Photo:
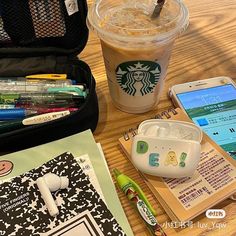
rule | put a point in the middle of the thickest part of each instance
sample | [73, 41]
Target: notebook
[185, 198]
[78, 144]
[81, 209]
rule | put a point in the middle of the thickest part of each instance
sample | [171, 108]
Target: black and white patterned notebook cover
[23, 211]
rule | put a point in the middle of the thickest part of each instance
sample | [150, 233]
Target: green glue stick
[139, 201]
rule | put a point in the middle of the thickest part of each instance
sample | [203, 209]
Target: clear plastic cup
[136, 48]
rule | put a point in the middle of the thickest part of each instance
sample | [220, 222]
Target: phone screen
[214, 110]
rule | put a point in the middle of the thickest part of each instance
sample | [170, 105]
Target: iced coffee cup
[136, 48]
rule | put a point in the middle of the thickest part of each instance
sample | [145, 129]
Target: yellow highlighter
[47, 76]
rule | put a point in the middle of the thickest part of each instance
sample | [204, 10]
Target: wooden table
[207, 49]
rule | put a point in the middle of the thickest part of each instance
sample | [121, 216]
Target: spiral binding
[167, 114]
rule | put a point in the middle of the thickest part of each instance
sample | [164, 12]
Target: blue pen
[16, 113]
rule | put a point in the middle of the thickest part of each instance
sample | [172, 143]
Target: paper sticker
[213, 174]
[71, 6]
[171, 159]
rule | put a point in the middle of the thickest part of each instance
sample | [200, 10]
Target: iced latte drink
[136, 48]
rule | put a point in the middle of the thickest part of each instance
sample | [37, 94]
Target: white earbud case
[167, 148]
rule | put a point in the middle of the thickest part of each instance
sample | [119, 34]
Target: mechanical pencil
[140, 202]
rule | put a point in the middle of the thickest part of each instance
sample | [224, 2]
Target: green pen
[138, 199]
[77, 90]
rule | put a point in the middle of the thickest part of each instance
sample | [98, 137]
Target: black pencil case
[45, 37]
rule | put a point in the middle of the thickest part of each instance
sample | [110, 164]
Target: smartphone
[211, 104]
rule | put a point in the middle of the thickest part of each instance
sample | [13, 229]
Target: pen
[140, 202]
[19, 113]
[50, 99]
[37, 106]
[77, 90]
[42, 110]
[34, 86]
[45, 117]
[15, 113]
[39, 98]
[39, 119]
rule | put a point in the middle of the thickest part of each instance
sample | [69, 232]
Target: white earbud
[152, 130]
[49, 183]
[174, 133]
[163, 132]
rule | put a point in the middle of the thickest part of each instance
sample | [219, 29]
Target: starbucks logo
[138, 78]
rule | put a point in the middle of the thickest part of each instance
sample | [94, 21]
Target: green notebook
[82, 143]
